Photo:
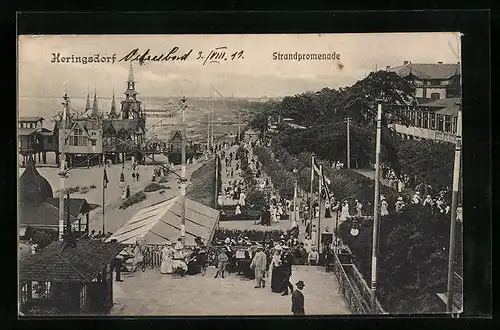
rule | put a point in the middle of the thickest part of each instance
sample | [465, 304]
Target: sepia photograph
[239, 175]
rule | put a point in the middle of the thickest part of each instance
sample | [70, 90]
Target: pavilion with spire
[39, 209]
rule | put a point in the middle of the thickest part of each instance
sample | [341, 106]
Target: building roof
[33, 187]
[176, 135]
[26, 131]
[30, 119]
[41, 215]
[69, 264]
[46, 214]
[442, 103]
[160, 223]
[427, 70]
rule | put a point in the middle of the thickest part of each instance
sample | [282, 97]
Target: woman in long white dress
[274, 217]
[138, 258]
[345, 212]
[166, 259]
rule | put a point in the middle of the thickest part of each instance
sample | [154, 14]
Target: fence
[353, 287]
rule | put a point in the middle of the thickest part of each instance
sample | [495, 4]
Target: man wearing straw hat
[259, 263]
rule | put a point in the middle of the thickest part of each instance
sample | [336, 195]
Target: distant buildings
[88, 135]
[34, 139]
[438, 92]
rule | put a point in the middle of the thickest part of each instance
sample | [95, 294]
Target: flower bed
[154, 187]
[134, 199]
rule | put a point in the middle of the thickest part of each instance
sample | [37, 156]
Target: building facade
[438, 93]
[93, 138]
[432, 81]
[35, 140]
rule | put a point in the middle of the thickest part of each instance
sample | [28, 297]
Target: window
[93, 141]
[425, 121]
[419, 119]
[49, 139]
[454, 124]
[429, 82]
[77, 138]
[440, 123]
[435, 96]
[447, 124]
[433, 120]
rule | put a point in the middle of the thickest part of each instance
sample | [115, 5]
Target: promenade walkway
[154, 294]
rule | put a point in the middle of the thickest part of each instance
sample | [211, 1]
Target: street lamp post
[293, 218]
[183, 173]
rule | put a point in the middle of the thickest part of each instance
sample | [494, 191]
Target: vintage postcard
[278, 174]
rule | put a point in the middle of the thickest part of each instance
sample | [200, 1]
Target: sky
[255, 74]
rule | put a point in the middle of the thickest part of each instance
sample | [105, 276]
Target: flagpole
[318, 231]
[376, 209]
[348, 143]
[62, 161]
[104, 196]
[454, 202]
[311, 211]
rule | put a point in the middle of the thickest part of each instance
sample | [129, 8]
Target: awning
[160, 223]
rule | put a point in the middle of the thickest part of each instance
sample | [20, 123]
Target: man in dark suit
[286, 264]
[298, 299]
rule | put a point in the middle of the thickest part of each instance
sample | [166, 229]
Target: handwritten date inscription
[215, 55]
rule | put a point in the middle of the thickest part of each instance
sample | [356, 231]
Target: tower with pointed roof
[112, 113]
[87, 105]
[131, 107]
[95, 106]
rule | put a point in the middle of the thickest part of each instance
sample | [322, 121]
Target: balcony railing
[425, 133]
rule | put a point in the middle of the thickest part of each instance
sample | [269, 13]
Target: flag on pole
[317, 170]
[105, 180]
[326, 182]
[316, 167]
[392, 153]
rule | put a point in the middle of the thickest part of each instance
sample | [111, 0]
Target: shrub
[154, 187]
[134, 199]
[413, 257]
[163, 179]
[202, 186]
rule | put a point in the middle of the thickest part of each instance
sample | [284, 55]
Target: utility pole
[348, 143]
[216, 181]
[62, 161]
[293, 218]
[208, 133]
[183, 172]
[454, 204]
[239, 127]
[376, 210]
[104, 183]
